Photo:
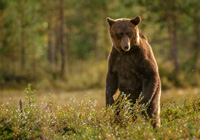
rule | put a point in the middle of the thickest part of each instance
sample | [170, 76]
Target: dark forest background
[64, 44]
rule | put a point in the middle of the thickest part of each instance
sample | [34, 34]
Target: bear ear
[136, 20]
[110, 21]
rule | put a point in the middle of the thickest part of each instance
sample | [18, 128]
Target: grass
[84, 117]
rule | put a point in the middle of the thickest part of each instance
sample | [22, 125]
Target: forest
[57, 51]
[60, 44]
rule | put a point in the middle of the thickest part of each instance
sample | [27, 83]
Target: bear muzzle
[125, 44]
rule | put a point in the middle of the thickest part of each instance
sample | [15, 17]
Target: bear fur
[132, 67]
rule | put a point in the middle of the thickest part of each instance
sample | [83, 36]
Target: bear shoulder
[142, 36]
[113, 55]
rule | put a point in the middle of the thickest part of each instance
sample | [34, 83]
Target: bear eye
[120, 35]
[129, 34]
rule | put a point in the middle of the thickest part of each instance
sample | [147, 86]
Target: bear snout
[126, 47]
[125, 44]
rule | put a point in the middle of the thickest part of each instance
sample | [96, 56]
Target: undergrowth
[83, 120]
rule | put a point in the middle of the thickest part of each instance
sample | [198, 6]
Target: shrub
[83, 120]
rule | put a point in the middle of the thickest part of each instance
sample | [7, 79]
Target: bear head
[124, 33]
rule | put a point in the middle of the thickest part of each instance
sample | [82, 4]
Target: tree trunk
[196, 29]
[106, 32]
[22, 36]
[97, 49]
[56, 50]
[50, 42]
[171, 25]
[2, 36]
[62, 36]
[174, 51]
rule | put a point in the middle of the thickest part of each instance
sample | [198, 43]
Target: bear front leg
[111, 87]
[154, 109]
[150, 85]
[151, 96]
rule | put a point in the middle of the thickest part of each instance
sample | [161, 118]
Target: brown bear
[132, 67]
